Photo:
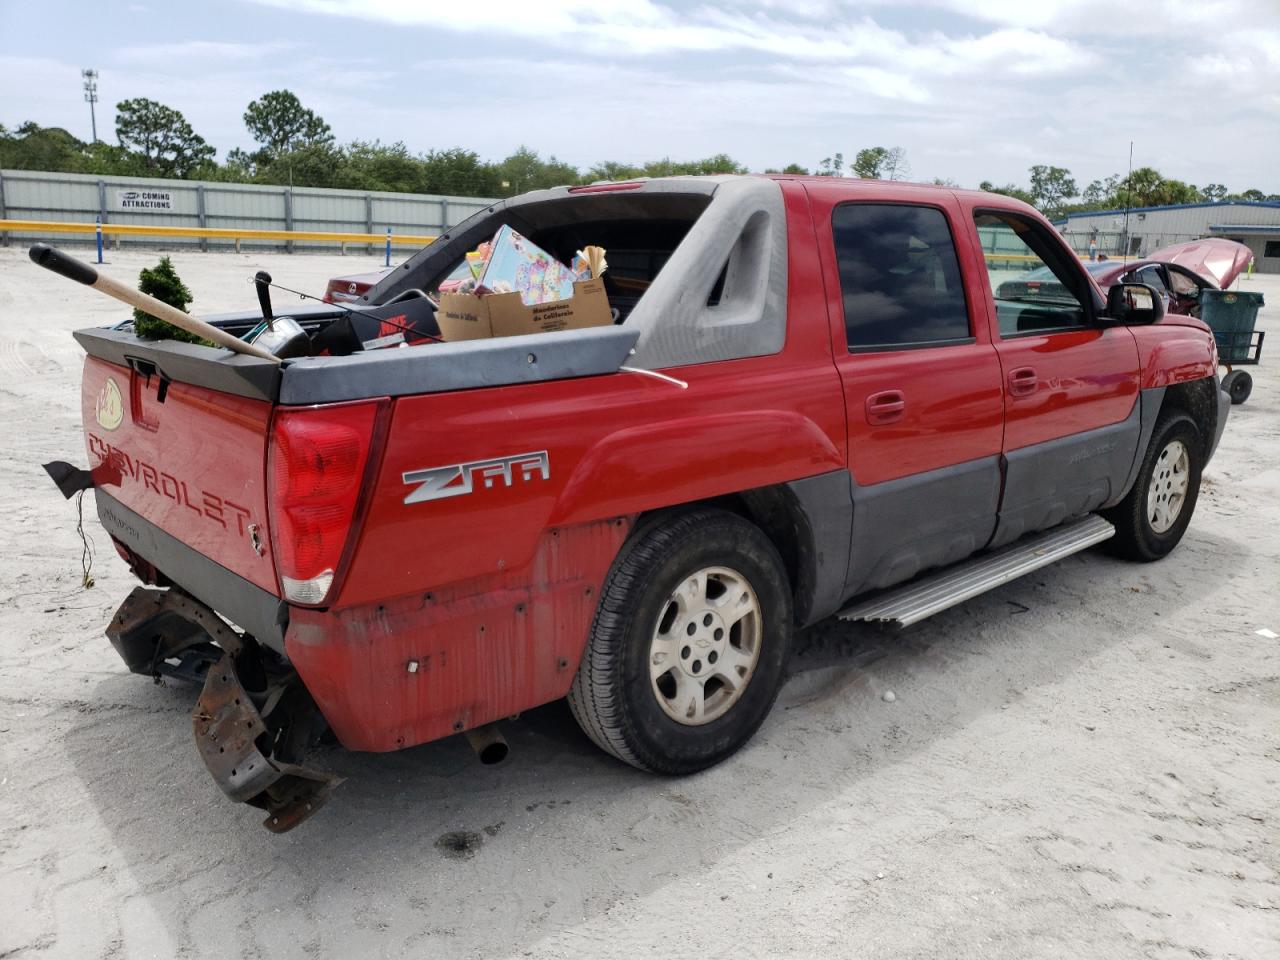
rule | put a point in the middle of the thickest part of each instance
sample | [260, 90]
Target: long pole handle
[53, 259]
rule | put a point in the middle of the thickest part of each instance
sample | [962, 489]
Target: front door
[1070, 383]
[922, 385]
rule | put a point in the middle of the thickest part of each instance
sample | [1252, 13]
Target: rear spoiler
[391, 372]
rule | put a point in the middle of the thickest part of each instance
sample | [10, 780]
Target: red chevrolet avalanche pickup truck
[812, 403]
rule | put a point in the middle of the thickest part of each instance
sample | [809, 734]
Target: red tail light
[316, 472]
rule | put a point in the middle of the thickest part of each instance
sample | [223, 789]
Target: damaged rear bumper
[231, 735]
[254, 720]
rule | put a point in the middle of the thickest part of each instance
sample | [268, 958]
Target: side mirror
[1134, 304]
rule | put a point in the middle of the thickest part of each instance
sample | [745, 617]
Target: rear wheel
[687, 651]
[1154, 515]
[1238, 384]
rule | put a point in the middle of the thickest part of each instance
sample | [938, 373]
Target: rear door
[1070, 383]
[922, 387]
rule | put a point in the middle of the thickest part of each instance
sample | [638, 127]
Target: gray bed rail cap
[392, 372]
[463, 365]
[193, 363]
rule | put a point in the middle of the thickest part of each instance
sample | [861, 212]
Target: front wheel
[1154, 515]
[689, 643]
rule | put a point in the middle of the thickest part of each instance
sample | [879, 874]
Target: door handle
[886, 407]
[1023, 382]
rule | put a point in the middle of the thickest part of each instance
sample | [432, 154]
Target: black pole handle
[51, 258]
[262, 280]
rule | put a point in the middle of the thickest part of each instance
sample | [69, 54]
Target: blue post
[99, 231]
[388, 263]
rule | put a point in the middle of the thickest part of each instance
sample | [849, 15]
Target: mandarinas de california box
[467, 316]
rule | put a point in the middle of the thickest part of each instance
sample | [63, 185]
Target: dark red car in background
[351, 289]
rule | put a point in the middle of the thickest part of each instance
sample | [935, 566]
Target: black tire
[1136, 538]
[1239, 384]
[613, 696]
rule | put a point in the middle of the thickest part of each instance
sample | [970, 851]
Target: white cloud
[973, 89]
[188, 52]
[808, 32]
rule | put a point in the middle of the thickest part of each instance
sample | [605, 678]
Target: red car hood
[1218, 260]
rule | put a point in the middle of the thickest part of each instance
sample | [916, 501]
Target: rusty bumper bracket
[232, 737]
[166, 632]
[246, 737]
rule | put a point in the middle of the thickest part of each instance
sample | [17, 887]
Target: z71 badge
[437, 483]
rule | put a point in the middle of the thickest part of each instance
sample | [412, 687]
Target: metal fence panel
[36, 195]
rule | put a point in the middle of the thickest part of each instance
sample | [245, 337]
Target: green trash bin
[1231, 315]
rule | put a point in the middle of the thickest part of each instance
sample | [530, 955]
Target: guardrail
[102, 230]
[1011, 257]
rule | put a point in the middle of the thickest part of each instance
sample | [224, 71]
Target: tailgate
[186, 458]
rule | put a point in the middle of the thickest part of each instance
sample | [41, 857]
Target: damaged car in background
[1178, 273]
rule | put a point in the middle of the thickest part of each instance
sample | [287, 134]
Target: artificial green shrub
[163, 283]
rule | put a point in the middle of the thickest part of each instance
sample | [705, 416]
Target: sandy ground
[1083, 764]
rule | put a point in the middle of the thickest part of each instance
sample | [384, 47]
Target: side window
[1035, 289]
[1151, 277]
[899, 276]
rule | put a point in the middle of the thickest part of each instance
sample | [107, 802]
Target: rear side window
[899, 276]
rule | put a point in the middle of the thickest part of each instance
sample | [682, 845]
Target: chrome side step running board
[913, 601]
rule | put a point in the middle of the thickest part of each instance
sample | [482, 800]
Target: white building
[1255, 223]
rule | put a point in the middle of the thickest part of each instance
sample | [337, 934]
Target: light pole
[91, 97]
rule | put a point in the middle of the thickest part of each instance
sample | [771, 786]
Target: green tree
[1213, 192]
[869, 162]
[239, 167]
[162, 137]
[666, 167]
[613, 170]
[280, 123]
[33, 147]
[310, 165]
[832, 166]
[1008, 190]
[525, 170]
[1051, 188]
[163, 283]
[374, 165]
[460, 173]
[1147, 187]
[1100, 194]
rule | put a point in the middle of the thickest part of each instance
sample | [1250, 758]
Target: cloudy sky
[973, 89]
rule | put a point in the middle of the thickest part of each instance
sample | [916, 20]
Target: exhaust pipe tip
[488, 743]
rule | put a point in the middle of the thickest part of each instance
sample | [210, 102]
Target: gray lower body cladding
[931, 519]
[1048, 482]
[1220, 425]
[243, 603]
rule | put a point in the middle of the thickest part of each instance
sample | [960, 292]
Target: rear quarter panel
[464, 609]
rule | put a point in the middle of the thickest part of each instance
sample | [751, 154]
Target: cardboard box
[466, 316]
